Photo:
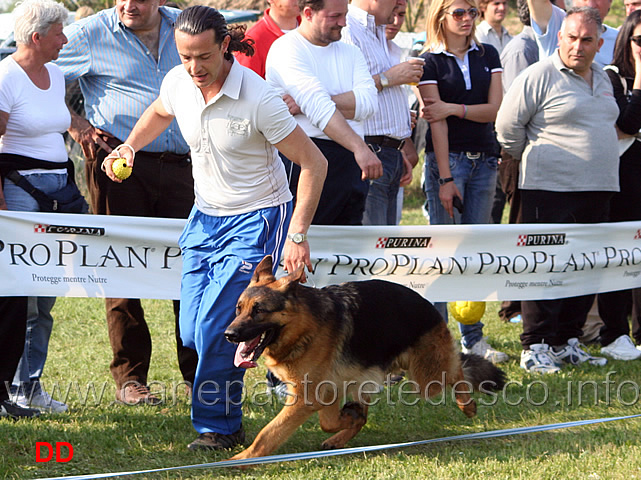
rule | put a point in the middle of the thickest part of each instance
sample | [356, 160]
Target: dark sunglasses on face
[459, 13]
[637, 40]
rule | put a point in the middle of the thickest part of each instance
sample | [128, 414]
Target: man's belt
[113, 142]
[385, 141]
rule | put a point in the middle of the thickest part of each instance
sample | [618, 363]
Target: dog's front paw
[329, 445]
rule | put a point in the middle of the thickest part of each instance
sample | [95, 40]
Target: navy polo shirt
[466, 82]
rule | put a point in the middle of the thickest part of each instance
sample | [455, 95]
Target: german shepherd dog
[326, 343]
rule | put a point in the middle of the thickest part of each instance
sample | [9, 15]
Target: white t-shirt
[37, 118]
[312, 74]
[236, 168]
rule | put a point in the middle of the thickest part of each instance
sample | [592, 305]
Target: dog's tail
[482, 374]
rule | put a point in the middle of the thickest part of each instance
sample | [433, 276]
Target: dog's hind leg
[347, 421]
[278, 430]
[434, 364]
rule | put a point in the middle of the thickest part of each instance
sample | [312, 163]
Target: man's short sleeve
[549, 40]
[169, 85]
[273, 118]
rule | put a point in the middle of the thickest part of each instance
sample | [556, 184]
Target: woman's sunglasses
[637, 40]
[459, 13]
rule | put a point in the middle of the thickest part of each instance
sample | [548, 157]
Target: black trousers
[342, 200]
[161, 185]
[13, 326]
[614, 307]
[555, 321]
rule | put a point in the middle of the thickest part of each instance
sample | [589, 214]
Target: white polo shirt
[236, 168]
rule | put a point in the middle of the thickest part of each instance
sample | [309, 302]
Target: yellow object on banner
[467, 313]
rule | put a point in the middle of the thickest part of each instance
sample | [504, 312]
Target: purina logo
[541, 239]
[638, 235]
[68, 229]
[403, 242]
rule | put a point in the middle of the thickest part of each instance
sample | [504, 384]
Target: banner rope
[289, 457]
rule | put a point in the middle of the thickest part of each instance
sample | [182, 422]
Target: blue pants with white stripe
[219, 257]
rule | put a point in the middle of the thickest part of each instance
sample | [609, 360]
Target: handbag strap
[22, 182]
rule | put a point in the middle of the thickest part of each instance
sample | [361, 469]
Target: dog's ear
[263, 273]
[292, 279]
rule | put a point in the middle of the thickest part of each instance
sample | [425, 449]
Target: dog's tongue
[243, 351]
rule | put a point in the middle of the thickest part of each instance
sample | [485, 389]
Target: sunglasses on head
[459, 13]
[637, 40]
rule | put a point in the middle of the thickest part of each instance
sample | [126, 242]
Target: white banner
[133, 257]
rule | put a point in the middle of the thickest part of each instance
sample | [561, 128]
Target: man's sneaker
[483, 349]
[538, 360]
[621, 349]
[279, 390]
[12, 410]
[574, 354]
[218, 441]
[134, 393]
[41, 400]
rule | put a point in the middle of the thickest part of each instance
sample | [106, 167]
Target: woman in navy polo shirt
[461, 89]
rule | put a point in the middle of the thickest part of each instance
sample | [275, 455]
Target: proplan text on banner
[112, 256]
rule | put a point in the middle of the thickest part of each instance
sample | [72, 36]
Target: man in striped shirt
[388, 130]
[120, 56]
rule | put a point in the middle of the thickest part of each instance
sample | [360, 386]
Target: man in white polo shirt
[233, 122]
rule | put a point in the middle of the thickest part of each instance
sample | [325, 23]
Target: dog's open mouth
[248, 352]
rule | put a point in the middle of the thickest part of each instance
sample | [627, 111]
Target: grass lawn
[108, 438]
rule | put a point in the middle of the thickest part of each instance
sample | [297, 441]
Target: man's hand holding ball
[119, 163]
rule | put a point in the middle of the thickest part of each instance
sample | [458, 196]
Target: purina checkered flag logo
[638, 235]
[521, 241]
[40, 228]
[403, 242]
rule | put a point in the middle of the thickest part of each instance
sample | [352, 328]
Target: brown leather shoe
[133, 393]
[218, 441]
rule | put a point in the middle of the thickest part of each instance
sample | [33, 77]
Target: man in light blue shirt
[547, 18]
[120, 57]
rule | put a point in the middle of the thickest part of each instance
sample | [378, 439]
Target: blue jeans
[476, 180]
[39, 319]
[380, 206]
[32, 362]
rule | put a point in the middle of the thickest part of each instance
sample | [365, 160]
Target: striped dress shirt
[393, 115]
[118, 75]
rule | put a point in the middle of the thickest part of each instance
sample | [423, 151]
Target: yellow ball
[120, 168]
[468, 313]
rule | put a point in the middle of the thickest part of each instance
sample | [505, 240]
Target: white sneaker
[621, 349]
[41, 400]
[538, 359]
[483, 349]
[574, 354]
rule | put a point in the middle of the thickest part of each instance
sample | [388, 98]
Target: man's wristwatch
[384, 80]
[297, 237]
[443, 181]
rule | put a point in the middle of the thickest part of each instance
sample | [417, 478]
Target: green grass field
[108, 437]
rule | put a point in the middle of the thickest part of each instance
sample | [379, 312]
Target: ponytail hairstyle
[198, 19]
